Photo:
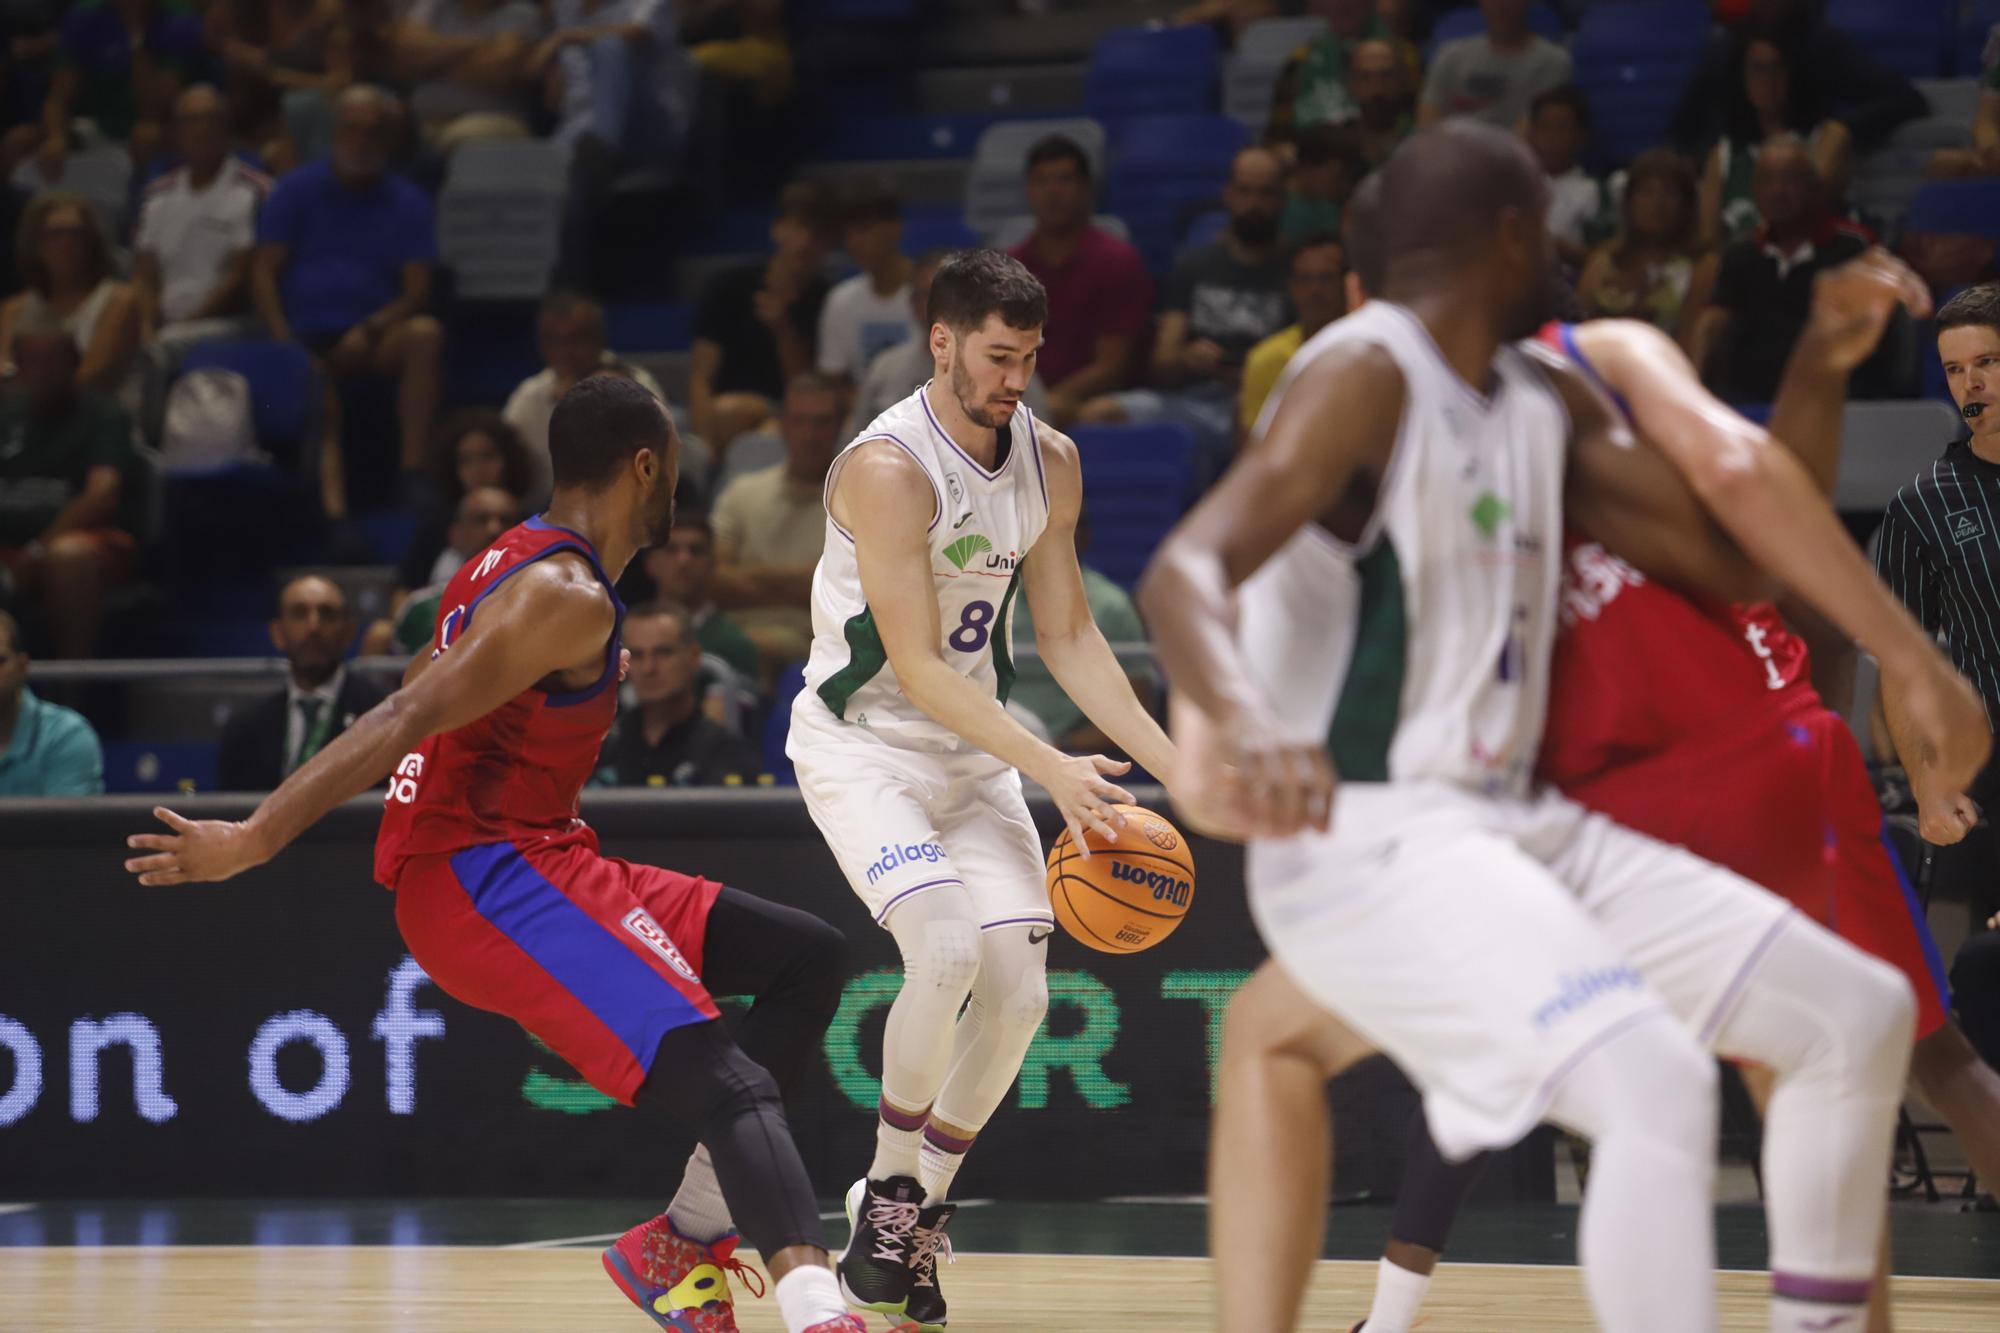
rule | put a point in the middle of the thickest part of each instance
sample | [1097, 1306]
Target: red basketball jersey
[1641, 669]
[513, 775]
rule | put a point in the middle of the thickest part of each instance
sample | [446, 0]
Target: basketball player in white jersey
[1519, 958]
[948, 507]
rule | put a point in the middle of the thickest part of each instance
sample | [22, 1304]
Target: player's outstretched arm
[1766, 500]
[528, 630]
[1071, 644]
[1328, 442]
[884, 498]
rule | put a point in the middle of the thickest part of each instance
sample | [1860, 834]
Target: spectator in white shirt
[570, 329]
[1558, 126]
[869, 312]
[197, 228]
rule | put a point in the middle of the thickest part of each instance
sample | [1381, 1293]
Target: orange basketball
[1130, 894]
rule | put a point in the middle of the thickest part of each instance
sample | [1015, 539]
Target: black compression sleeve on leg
[705, 1082]
[790, 962]
[1432, 1193]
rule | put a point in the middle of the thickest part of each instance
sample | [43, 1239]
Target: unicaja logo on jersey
[909, 853]
[963, 551]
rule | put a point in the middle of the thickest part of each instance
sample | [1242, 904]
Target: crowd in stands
[285, 159]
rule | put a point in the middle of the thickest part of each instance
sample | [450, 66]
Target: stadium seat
[995, 189]
[1203, 229]
[1907, 36]
[1633, 61]
[101, 175]
[1252, 70]
[1884, 445]
[161, 766]
[899, 137]
[1137, 482]
[500, 217]
[1163, 166]
[936, 229]
[1955, 100]
[1152, 72]
[778, 725]
[649, 328]
[1466, 21]
[284, 392]
[1887, 177]
[1957, 208]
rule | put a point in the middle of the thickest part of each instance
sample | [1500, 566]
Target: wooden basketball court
[435, 1289]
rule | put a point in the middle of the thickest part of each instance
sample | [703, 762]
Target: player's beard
[659, 515]
[981, 413]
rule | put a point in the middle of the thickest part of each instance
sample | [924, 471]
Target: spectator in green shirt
[1035, 690]
[65, 456]
[45, 749]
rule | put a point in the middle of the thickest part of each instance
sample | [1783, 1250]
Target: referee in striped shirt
[1940, 552]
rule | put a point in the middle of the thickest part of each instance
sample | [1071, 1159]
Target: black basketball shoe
[926, 1307]
[875, 1268]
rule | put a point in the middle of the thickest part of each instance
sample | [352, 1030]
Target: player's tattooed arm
[1325, 451]
[526, 632]
[1072, 646]
[883, 497]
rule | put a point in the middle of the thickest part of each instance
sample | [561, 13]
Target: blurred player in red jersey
[504, 898]
[1687, 717]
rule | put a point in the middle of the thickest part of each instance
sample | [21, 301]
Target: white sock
[937, 1163]
[1399, 1294]
[698, 1211]
[1790, 1316]
[895, 1149]
[808, 1295]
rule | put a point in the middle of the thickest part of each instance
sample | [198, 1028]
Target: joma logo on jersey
[1165, 888]
[1964, 526]
[908, 854]
[654, 937]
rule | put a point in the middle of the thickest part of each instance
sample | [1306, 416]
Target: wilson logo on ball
[1165, 888]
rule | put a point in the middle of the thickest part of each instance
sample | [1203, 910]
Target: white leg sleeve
[941, 959]
[1008, 1003]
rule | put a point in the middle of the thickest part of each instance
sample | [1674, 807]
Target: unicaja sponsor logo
[1580, 988]
[909, 853]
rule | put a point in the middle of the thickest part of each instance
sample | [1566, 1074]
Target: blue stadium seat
[1153, 71]
[1466, 21]
[1633, 61]
[649, 328]
[1161, 167]
[159, 766]
[388, 533]
[1204, 229]
[1907, 36]
[877, 137]
[779, 725]
[1957, 208]
[936, 229]
[1137, 482]
[284, 389]
[241, 635]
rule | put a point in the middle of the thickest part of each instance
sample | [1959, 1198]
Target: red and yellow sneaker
[683, 1284]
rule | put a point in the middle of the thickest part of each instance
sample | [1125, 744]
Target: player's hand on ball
[1082, 789]
[198, 851]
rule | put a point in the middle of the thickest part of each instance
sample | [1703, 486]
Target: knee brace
[943, 958]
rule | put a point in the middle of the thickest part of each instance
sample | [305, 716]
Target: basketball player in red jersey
[504, 899]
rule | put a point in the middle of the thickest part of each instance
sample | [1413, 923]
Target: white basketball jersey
[1422, 652]
[984, 524]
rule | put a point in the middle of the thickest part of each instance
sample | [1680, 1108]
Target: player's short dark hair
[1567, 95]
[1059, 148]
[1320, 144]
[599, 425]
[868, 201]
[1975, 307]
[972, 284]
[10, 630]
